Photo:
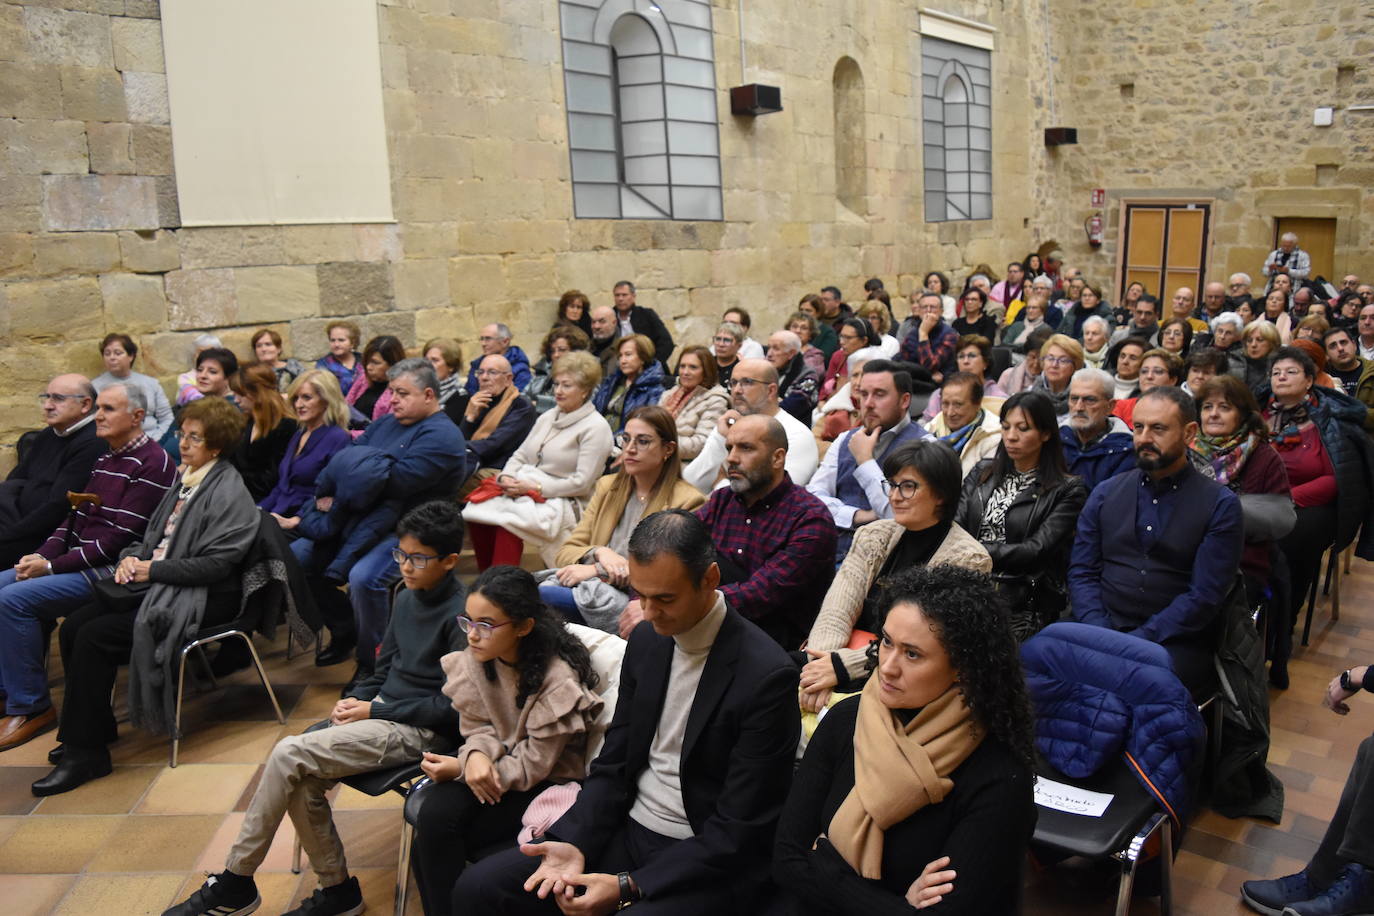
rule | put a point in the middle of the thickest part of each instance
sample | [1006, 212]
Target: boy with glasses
[390, 718]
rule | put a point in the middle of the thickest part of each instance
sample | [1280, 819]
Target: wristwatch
[629, 895]
[1345, 681]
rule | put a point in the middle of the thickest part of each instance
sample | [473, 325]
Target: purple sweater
[130, 483]
[296, 480]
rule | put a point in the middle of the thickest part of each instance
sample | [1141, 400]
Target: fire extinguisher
[1093, 226]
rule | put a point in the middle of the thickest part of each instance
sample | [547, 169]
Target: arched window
[957, 125]
[640, 87]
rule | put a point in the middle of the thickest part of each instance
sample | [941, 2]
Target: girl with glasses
[524, 690]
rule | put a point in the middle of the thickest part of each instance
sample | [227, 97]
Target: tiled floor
[142, 838]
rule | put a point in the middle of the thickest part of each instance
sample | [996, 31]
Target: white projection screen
[276, 111]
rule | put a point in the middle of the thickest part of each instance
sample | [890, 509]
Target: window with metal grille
[956, 103]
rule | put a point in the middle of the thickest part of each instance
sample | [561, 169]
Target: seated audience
[321, 430]
[637, 381]
[753, 390]
[1012, 289]
[725, 344]
[965, 423]
[1121, 315]
[1060, 357]
[804, 326]
[604, 336]
[1123, 361]
[833, 309]
[1097, 444]
[1233, 442]
[775, 540]
[749, 348]
[1339, 877]
[1023, 375]
[561, 340]
[798, 385]
[632, 318]
[840, 414]
[1176, 336]
[126, 483]
[1261, 342]
[1351, 373]
[575, 310]
[591, 583]
[1276, 315]
[267, 349]
[343, 358]
[392, 718]
[422, 452]
[119, 352]
[877, 316]
[669, 818]
[696, 401]
[974, 358]
[1157, 367]
[1096, 332]
[494, 340]
[1144, 322]
[370, 396]
[849, 480]
[937, 283]
[1202, 365]
[922, 480]
[446, 356]
[186, 382]
[975, 320]
[524, 691]
[932, 343]
[269, 429]
[1089, 304]
[539, 495]
[1022, 505]
[853, 336]
[1313, 327]
[185, 569]
[1317, 353]
[1227, 329]
[824, 338]
[497, 419]
[58, 460]
[863, 830]
[1156, 551]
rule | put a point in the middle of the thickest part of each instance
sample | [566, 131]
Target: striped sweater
[130, 483]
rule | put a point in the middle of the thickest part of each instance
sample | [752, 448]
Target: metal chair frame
[181, 678]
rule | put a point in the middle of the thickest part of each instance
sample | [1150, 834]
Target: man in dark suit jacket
[636, 319]
[677, 815]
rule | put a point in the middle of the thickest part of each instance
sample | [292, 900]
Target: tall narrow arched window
[957, 126]
[851, 150]
[641, 95]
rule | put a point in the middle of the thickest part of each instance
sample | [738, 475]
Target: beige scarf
[495, 414]
[898, 770]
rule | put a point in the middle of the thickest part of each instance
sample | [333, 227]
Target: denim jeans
[561, 599]
[25, 605]
[369, 589]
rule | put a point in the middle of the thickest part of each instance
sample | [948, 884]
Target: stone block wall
[1215, 100]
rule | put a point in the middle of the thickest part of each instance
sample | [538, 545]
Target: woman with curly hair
[928, 769]
[524, 692]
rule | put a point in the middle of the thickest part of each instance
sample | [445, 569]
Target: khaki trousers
[300, 771]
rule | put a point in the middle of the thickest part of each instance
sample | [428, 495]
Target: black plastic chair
[1121, 833]
[1333, 559]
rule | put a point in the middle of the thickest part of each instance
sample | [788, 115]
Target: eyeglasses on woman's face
[623, 441]
[479, 628]
[904, 488]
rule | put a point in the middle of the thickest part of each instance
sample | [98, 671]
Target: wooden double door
[1165, 246]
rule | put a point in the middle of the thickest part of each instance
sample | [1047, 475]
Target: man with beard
[1158, 548]
[753, 390]
[775, 541]
[1097, 445]
[604, 336]
[1351, 372]
[850, 480]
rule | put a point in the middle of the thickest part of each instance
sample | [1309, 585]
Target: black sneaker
[224, 894]
[344, 899]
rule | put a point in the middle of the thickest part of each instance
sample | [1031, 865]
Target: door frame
[1125, 204]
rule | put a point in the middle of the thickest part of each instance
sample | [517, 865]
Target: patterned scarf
[1285, 422]
[678, 397]
[1226, 455]
[958, 440]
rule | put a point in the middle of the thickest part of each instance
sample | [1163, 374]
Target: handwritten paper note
[1061, 797]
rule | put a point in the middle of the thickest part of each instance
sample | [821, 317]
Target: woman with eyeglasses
[696, 401]
[1318, 432]
[1022, 505]
[561, 340]
[855, 334]
[543, 487]
[1060, 358]
[1157, 367]
[975, 321]
[1261, 341]
[592, 581]
[525, 694]
[1176, 336]
[922, 481]
[804, 325]
[725, 344]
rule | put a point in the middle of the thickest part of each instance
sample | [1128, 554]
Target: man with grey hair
[636, 319]
[798, 385]
[495, 422]
[428, 456]
[57, 459]
[1287, 260]
[1238, 285]
[604, 335]
[1097, 444]
[495, 341]
[753, 390]
[1213, 301]
[125, 485]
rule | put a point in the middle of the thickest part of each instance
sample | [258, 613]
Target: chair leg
[1166, 868]
[262, 674]
[403, 867]
[1123, 891]
[1333, 557]
[1311, 605]
[1333, 581]
[181, 689]
[296, 856]
[1349, 555]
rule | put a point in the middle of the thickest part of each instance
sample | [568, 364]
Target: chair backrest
[607, 653]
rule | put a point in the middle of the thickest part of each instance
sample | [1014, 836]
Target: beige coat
[608, 504]
[985, 439]
[697, 418]
[845, 599]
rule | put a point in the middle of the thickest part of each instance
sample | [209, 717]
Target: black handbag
[114, 598]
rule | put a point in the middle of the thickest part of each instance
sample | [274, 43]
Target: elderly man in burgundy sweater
[125, 486]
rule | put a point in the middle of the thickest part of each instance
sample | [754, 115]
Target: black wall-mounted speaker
[1061, 136]
[755, 99]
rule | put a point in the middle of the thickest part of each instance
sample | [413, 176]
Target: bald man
[1213, 301]
[754, 390]
[605, 332]
[775, 541]
[59, 458]
[798, 385]
[496, 421]
[1181, 306]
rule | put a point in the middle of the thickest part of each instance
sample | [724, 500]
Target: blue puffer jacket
[360, 516]
[1098, 693]
[644, 392]
[1105, 458]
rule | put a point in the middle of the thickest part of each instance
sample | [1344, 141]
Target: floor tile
[15, 794]
[127, 895]
[117, 793]
[151, 843]
[278, 858]
[56, 845]
[197, 788]
[34, 895]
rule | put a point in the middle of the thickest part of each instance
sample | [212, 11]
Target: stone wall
[90, 239]
[1215, 100]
